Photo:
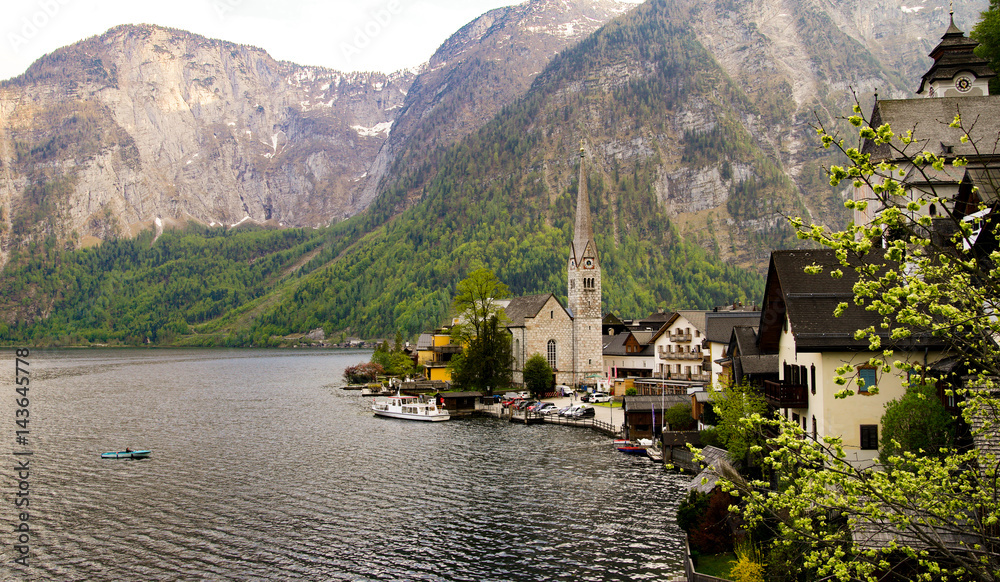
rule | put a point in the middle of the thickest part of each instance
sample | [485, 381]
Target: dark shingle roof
[528, 306]
[809, 302]
[614, 345]
[719, 326]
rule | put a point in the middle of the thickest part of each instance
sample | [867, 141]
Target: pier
[525, 417]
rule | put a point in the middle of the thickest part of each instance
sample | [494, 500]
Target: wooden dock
[525, 417]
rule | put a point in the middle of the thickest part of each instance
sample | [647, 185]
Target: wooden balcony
[680, 337]
[786, 395]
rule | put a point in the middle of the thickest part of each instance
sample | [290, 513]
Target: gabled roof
[520, 308]
[719, 325]
[928, 118]
[808, 302]
[614, 345]
[695, 316]
[425, 341]
[744, 348]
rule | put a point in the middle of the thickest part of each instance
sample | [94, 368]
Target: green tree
[475, 303]
[917, 422]
[484, 363]
[679, 417]
[537, 375]
[733, 404]
[987, 32]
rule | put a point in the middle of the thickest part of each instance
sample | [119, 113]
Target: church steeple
[584, 274]
[583, 247]
[957, 71]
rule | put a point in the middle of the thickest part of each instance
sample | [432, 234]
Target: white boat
[409, 407]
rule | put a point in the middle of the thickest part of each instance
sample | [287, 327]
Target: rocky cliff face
[486, 65]
[144, 122]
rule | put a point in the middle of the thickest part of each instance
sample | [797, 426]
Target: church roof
[929, 119]
[520, 308]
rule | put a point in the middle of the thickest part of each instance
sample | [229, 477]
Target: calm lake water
[263, 468]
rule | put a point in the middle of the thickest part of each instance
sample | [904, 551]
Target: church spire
[583, 235]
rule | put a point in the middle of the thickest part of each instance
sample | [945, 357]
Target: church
[568, 337]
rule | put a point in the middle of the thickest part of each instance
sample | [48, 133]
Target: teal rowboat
[126, 455]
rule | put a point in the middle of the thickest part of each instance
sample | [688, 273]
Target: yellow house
[434, 351]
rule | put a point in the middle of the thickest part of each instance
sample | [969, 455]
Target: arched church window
[551, 353]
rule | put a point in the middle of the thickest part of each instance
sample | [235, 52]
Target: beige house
[797, 325]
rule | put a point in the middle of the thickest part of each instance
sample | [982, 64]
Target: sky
[347, 35]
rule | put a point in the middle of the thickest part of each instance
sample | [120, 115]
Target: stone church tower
[585, 289]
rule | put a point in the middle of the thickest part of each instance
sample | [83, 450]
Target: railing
[680, 337]
[785, 395]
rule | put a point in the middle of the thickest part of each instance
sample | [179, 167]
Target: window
[866, 375]
[812, 378]
[814, 427]
[869, 437]
[551, 354]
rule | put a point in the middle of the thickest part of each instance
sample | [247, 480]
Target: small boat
[127, 455]
[409, 407]
[636, 447]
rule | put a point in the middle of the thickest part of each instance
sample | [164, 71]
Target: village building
[678, 345]
[957, 83]
[797, 325]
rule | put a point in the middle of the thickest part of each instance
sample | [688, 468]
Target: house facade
[678, 345]
[798, 327]
[539, 324]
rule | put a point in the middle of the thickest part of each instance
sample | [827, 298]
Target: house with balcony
[629, 354]
[679, 349]
[798, 328]
[434, 351]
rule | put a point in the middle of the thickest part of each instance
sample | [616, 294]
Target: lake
[263, 468]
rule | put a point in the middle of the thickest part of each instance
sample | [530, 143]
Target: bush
[710, 438]
[631, 391]
[690, 510]
[366, 372]
[679, 417]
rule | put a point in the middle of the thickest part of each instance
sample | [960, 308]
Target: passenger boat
[409, 407]
[636, 447]
[126, 455]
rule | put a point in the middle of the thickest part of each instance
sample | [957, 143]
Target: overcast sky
[348, 35]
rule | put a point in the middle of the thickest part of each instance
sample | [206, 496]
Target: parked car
[583, 412]
[524, 394]
[569, 410]
[600, 397]
[534, 406]
[544, 408]
[523, 404]
[562, 411]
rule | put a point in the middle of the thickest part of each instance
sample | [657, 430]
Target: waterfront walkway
[606, 419]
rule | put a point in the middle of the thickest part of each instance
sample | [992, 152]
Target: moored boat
[636, 447]
[410, 408]
[126, 454]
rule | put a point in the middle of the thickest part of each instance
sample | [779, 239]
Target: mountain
[486, 65]
[103, 137]
[695, 118]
